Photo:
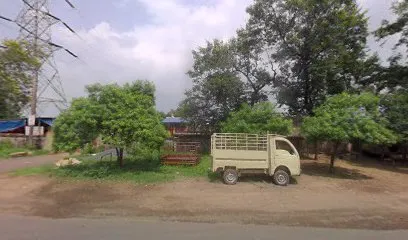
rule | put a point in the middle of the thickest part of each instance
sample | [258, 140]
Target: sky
[120, 41]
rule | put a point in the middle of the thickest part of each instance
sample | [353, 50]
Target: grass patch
[5, 153]
[6, 148]
[136, 171]
[45, 169]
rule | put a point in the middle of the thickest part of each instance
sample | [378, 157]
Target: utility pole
[34, 90]
[35, 22]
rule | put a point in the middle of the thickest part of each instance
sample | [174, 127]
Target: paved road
[11, 164]
[30, 228]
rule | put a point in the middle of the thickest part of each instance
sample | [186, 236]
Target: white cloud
[159, 51]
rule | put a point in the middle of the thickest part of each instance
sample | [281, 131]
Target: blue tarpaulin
[48, 121]
[10, 125]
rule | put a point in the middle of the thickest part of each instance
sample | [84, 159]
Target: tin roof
[174, 120]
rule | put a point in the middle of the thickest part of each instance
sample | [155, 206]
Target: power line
[35, 22]
[70, 4]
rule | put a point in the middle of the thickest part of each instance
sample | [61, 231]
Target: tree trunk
[119, 154]
[333, 157]
[404, 154]
[360, 149]
[316, 151]
[383, 154]
[254, 97]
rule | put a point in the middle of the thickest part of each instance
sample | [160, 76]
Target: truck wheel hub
[281, 179]
[231, 177]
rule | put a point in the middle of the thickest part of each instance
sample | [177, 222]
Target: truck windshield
[283, 145]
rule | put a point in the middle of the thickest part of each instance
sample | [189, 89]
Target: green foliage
[394, 77]
[258, 119]
[395, 109]
[77, 126]
[345, 117]
[32, 171]
[225, 75]
[400, 8]
[135, 170]
[7, 147]
[216, 90]
[5, 144]
[15, 69]
[88, 149]
[317, 46]
[124, 116]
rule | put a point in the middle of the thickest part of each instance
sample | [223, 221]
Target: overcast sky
[124, 40]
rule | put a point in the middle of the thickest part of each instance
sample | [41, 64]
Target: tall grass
[137, 171]
[6, 148]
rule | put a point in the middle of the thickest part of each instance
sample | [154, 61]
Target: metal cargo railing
[239, 141]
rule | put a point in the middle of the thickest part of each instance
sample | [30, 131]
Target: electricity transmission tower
[35, 22]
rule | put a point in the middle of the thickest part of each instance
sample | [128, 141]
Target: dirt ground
[361, 195]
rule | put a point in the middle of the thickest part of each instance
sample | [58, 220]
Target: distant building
[176, 126]
[181, 133]
[19, 126]
[16, 131]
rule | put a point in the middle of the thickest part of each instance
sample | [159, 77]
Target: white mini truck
[237, 153]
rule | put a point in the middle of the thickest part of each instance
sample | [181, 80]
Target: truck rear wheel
[281, 178]
[230, 176]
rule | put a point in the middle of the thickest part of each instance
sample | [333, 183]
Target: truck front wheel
[230, 176]
[281, 178]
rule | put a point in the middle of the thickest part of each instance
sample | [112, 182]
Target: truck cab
[239, 153]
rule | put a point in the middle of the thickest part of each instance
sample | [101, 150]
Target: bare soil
[361, 195]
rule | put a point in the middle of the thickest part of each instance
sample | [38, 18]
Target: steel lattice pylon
[35, 22]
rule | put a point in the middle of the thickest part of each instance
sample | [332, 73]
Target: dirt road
[370, 197]
[7, 165]
[28, 228]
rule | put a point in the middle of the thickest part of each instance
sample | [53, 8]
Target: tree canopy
[345, 117]
[318, 46]
[395, 109]
[262, 118]
[124, 116]
[297, 52]
[394, 76]
[16, 66]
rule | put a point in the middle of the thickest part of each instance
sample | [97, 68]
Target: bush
[88, 149]
[6, 144]
[135, 170]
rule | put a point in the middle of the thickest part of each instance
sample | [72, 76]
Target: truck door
[285, 154]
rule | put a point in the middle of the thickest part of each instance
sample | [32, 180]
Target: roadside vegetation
[136, 171]
[310, 56]
[7, 148]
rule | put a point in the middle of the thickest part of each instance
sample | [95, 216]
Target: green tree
[395, 108]
[240, 58]
[319, 48]
[210, 102]
[347, 117]
[262, 118]
[15, 78]
[77, 126]
[225, 75]
[400, 25]
[395, 76]
[251, 64]
[124, 116]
